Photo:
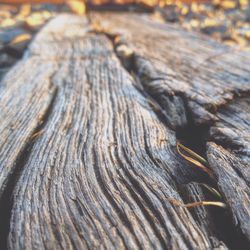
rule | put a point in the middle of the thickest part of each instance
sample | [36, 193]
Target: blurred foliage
[225, 20]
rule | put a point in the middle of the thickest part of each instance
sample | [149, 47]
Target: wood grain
[98, 164]
[104, 171]
[179, 68]
[23, 107]
[195, 81]
[233, 184]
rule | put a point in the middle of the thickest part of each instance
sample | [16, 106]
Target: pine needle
[198, 203]
[195, 159]
[192, 153]
[212, 190]
[35, 135]
[205, 203]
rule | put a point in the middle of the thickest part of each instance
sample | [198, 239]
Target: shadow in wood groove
[232, 235]
[194, 137]
[6, 202]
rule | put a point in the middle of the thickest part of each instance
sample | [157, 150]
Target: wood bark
[91, 129]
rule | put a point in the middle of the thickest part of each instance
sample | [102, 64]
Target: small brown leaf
[77, 6]
[21, 38]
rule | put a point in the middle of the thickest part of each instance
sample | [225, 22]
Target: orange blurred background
[155, 2]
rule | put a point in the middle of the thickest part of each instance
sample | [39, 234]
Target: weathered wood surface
[197, 81]
[98, 166]
[228, 170]
[231, 164]
[192, 71]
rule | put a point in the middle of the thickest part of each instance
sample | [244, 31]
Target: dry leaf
[77, 6]
[228, 4]
[21, 38]
[7, 23]
[25, 10]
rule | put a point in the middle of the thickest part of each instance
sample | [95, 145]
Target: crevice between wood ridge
[6, 201]
[222, 219]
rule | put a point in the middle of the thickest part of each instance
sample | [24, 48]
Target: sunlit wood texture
[179, 67]
[103, 171]
[195, 80]
[93, 153]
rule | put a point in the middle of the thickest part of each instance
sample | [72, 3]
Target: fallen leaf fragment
[77, 6]
[21, 38]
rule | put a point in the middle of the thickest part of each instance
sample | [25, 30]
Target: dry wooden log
[180, 68]
[98, 166]
[104, 172]
[195, 80]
